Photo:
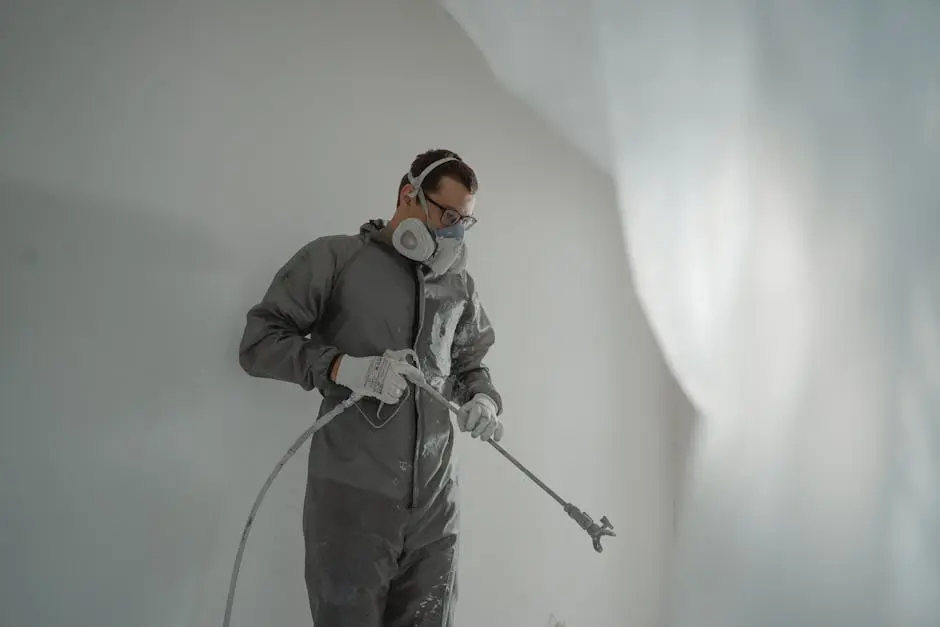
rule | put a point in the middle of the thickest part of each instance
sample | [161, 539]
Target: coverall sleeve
[472, 341]
[274, 344]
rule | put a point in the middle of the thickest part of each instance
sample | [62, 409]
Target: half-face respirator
[416, 240]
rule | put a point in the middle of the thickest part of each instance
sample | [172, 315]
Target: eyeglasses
[450, 216]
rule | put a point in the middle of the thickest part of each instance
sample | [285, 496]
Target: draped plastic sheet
[778, 171]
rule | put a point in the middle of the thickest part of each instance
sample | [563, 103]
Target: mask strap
[417, 191]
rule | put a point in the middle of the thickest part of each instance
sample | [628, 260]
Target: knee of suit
[339, 593]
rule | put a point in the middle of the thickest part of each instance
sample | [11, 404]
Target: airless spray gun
[595, 530]
[415, 376]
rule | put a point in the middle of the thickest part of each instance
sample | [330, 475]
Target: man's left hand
[478, 416]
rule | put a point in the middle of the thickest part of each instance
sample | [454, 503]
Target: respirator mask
[416, 240]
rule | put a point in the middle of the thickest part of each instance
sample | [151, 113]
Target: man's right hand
[376, 376]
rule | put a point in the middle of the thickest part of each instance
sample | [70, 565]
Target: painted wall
[158, 162]
[776, 163]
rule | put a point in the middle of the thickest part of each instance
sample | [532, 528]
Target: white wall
[159, 160]
[776, 164]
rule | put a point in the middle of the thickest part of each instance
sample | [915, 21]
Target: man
[380, 512]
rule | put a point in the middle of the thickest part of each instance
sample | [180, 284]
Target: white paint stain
[555, 622]
[442, 333]
[434, 444]
[433, 605]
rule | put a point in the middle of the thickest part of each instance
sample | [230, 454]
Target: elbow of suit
[245, 361]
[247, 358]
[251, 349]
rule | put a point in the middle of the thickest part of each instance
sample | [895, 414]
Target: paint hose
[317, 425]
[595, 530]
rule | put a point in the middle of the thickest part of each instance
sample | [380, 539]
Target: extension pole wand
[593, 529]
[596, 531]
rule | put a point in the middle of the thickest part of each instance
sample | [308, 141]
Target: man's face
[449, 204]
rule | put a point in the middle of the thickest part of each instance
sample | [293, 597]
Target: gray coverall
[380, 514]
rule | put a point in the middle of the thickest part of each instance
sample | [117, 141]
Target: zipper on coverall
[418, 422]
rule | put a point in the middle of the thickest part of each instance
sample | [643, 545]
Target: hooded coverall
[380, 514]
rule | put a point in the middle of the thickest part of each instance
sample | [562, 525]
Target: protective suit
[380, 513]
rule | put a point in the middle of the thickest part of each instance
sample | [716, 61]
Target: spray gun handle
[404, 355]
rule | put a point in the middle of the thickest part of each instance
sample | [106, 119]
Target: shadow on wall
[683, 433]
[120, 420]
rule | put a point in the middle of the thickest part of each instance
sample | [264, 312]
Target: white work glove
[478, 416]
[379, 377]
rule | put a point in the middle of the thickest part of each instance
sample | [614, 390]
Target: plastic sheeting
[777, 165]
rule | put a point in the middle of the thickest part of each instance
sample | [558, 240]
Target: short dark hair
[457, 170]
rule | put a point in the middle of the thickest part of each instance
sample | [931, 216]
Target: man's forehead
[455, 194]
[469, 203]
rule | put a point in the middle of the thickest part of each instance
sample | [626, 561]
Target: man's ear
[405, 197]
